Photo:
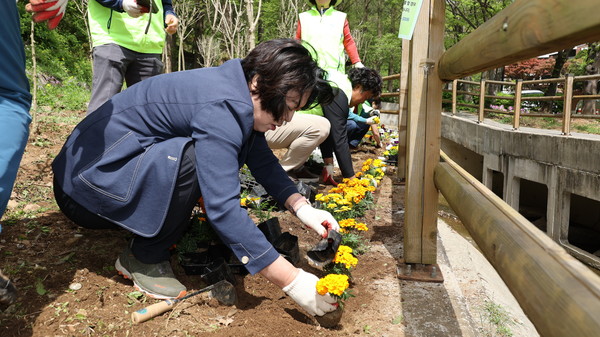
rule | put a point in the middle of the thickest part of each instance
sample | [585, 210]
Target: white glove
[358, 65]
[303, 290]
[329, 168]
[50, 10]
[132, 8]
[370, 120]
[317, 219]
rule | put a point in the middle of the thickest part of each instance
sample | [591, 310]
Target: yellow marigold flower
[334, 284]
[347, 222]
[361, 226]
[378, 163]
[243, 202]
[331, 205]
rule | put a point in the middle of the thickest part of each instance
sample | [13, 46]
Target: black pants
[337, 141]
[154, 249]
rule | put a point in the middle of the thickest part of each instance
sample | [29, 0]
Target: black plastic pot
[199, 263]
[308, 191]
[216, 271]
[391, 160]
[271, 229]
[287, 245]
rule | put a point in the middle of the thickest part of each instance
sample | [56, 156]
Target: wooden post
[480, 116]
[568, 99]
[403, 110]
[424, 128]
[454, 88]
[517, 104]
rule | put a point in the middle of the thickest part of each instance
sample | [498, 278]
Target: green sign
[410, 12]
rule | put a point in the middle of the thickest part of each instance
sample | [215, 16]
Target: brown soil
[44, 254]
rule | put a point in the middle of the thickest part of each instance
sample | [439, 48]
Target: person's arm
[356, 117]
[376, 136]
[298, 31]
[350, 45]
[168, 8]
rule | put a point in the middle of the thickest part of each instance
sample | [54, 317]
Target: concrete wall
[565, 165]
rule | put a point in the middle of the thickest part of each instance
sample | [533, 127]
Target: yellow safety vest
[325, 33]
[126, 31]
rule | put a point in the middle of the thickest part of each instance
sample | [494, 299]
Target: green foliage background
[64, 54]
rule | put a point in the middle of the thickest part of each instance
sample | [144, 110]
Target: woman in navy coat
[142, 160]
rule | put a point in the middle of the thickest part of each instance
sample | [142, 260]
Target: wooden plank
[415, 128]
[524, 29]
[403, 110]
[517, 104]
[454, 90]
[480, 116]
[433, 129]
[566, 130]
[423, 130]
[559, 294]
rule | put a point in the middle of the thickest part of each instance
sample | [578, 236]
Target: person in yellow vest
[327, 31]
[127, 40]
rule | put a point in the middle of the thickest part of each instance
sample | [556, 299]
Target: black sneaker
[155, 280]
[303, 174]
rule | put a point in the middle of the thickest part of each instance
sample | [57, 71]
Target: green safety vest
[325, 33]
[126, 31]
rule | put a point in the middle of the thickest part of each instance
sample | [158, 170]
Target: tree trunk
[591, 87]
[561, 58]
[167, 57]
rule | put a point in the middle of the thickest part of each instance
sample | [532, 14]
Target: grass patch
[497, 319]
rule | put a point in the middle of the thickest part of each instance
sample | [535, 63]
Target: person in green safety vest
[127, 39]
[328, 32]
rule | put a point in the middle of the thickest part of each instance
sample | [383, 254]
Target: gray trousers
[114, 65]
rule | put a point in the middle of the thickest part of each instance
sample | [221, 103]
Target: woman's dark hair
[283, 65]
[369, 79]
[331, 3]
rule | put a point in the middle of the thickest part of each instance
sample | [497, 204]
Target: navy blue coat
[121, 161]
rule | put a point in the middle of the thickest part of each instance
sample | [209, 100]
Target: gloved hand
[375, 112]
[134, 10]
[358, 65]
[303, 290]
[317, 219]
[50, 10]
[371, 120]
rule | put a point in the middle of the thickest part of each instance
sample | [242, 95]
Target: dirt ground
[47, 256]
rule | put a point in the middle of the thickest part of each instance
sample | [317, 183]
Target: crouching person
[142, 160]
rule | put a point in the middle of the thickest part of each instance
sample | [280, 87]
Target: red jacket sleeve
[349, 44]
[298, 31]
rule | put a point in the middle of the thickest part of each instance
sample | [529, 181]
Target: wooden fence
[558, 293]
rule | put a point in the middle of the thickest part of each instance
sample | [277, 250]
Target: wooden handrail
[524, 29]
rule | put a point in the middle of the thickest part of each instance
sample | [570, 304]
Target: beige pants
[300, 136]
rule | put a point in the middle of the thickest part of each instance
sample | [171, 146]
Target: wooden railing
[556, 291]
[517, 108]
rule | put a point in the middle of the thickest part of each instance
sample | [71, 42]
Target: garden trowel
[325, 250]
